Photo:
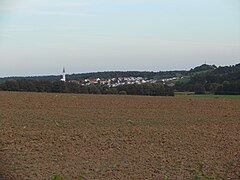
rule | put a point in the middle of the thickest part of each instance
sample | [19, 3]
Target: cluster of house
[114, 82]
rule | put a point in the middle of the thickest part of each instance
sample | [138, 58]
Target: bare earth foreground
[118, 137]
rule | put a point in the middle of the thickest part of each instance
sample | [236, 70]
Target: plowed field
[118, 137]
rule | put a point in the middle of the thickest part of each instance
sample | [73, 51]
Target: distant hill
[211, 79]
[203, 68]
[104, 75]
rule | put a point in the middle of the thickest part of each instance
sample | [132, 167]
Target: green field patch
[191, 94]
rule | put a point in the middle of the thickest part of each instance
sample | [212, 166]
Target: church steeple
[63, 75]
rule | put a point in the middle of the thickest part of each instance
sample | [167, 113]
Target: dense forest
[202, 79]
[210, 79]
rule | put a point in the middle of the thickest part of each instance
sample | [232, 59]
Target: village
[118, 81]
[114, 82]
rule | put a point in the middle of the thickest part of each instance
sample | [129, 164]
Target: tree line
[157, 89]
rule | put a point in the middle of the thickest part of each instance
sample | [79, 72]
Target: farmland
[118, 137]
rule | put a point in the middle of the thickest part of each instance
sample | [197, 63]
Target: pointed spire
[63, 75]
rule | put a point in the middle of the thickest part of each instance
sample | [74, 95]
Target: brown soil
[118, 137]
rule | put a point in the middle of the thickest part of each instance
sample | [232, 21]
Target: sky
[39, 37]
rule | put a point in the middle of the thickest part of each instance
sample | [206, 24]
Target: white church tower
[63, 75]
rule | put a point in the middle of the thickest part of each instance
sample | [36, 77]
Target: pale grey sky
[39, 37]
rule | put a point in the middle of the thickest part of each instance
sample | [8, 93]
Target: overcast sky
[39, 37]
